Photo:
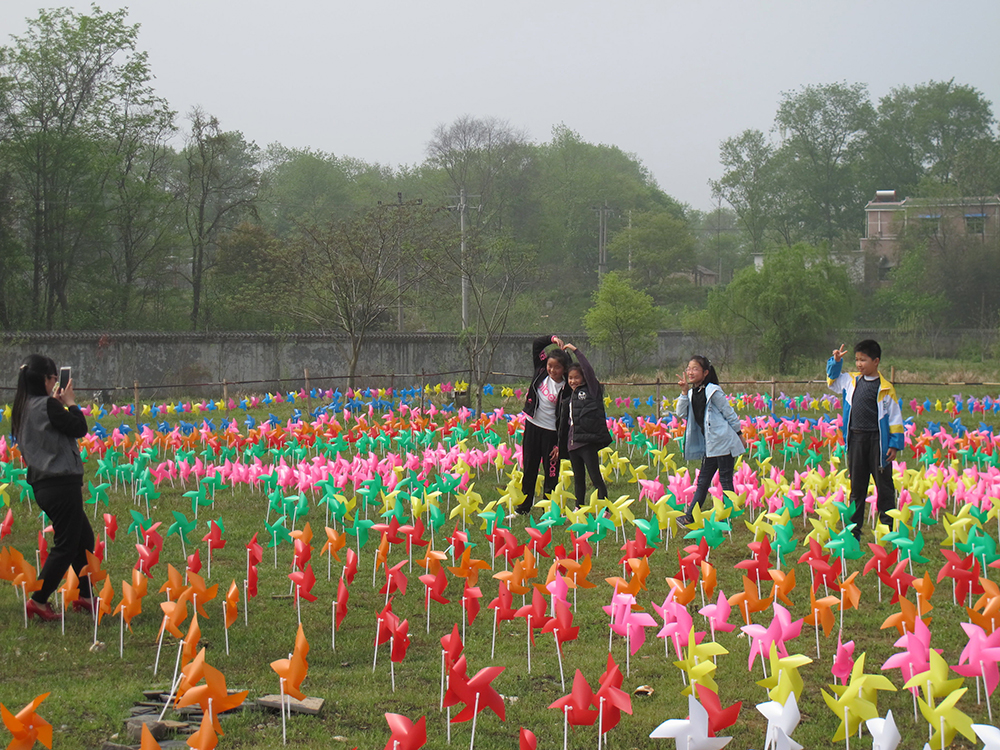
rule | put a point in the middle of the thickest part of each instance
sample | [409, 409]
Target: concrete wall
[174, 365]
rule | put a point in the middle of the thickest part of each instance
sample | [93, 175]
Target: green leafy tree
[749, 183]
[623, 321]
[822, 129]
[792, 304]
[76, 103]
[219, 184]
[656, 253]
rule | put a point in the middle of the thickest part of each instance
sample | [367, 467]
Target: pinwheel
[27, 726]
[292, 671]
[690, 733]
[406, 735]
[577, 707]
[200, 593]
[782, 719]
[205, 738]
[885, 735]
[214, 690]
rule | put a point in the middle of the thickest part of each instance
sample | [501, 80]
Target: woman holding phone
[46, 422]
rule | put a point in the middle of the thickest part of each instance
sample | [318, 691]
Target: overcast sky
[666, 80]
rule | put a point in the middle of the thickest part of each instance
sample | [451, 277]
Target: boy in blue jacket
[873, 428]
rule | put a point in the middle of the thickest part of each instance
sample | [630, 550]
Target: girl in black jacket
[47, 423]
[542, 405]
[585, 425]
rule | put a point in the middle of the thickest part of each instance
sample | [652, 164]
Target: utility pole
[462, 207]
[602, 238]
[399, 264]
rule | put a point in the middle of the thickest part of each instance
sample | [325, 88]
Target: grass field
[92, 689]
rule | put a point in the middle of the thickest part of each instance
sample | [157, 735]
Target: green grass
[91, 691]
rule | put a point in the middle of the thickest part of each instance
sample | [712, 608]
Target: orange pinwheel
[468, 568]
[27, 726]
[850, 594]
[213, 690]
[683, 595]
[748, 602]
[708, 578]
[431, 562]
[232, 599]
[174, 584]
[104, 600]
[905, 620]
[130, 605]
[986, 611]
[189, 649]
[28, 578]
[205, 738]
[148, 742]
[579, 575]
[201, 595]
[294, 670]
[140, 584]
[93, 570]
[305, 534]
[514, 578]
[784, 583]
[334, 543]
[70, 589]
[175, 613]
[821, 613]
[925, 590]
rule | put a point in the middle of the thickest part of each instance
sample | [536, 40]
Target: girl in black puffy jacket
[585, 426]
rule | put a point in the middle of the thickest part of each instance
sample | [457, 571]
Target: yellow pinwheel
[945, 719]
[699, 663]
[850, 707]
[784, 678]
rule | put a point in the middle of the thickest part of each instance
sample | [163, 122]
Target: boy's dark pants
[536, 446]
[863, 461]
[585, 458]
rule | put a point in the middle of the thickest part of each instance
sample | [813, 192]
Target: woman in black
[47, 423]
[584, 426]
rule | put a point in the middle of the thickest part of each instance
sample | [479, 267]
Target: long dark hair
[30, 382]
[705, 364]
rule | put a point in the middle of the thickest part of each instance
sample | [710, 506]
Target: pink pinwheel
[406, 735]
[915, 659]
[632, 625]
[677, 624]
[980, 655]
[718, 614]
[557, 588]
[780, 629]
[843, 662]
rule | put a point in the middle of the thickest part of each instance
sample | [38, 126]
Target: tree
[792, 303]
[347, 274]
[656, 253]
[822, 130]
[75, 94]
[220, 185]
[622, 321]
[748, 184]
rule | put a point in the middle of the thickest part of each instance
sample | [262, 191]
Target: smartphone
[64, 375]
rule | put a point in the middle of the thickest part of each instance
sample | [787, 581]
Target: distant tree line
[118, 213]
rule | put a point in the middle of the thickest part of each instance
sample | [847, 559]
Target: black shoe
[523, 509]
[686, 520]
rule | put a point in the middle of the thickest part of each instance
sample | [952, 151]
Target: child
[713, 431]
[540, 442]
[47, 423]
[583, 426]
[873, 428]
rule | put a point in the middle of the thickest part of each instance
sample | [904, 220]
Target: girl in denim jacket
[713, 431]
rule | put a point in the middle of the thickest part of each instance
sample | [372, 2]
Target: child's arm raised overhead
[836, 380]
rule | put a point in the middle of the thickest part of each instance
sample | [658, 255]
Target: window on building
[930, 223]
[975, 223]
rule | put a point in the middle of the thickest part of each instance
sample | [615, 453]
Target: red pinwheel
[636, 547]
[610, 700]
[8, 523]
[510, 548]
[194, 562]
[302, 554]
[414, 534]
[899, 581]
[350, 566]
[528, 741]
[477, 693]
[435, 586]
[577, 706]
[458, 541]
[148, 558]
[395, 579]
[43, 549]
[470, 602]
[452, 646]
[406, 735]
[539, 541]
[503, 604]
[152, 538]
[342, 596]
[400, 640]
[757, 568]
[719, 718]
[304, 580]
[534, 613]
[255, 552]
[110, 525]
[561, 625]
